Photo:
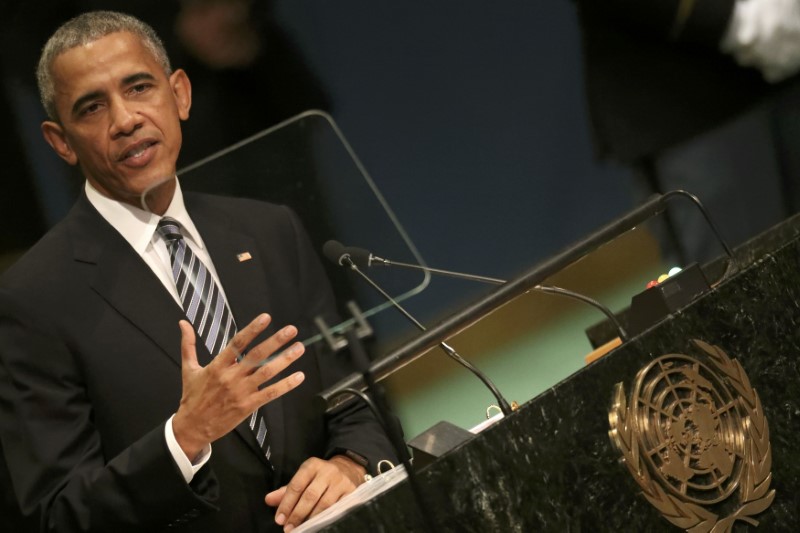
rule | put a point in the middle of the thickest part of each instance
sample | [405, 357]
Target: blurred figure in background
[699, 95]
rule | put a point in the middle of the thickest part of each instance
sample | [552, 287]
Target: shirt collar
[138, 226]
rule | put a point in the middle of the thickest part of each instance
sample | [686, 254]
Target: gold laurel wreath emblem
[754, 494]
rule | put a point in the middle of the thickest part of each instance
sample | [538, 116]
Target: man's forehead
[113, 57]
[103, 53]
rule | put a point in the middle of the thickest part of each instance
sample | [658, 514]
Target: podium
[705, 411]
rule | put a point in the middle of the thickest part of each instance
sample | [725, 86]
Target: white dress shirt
[138, 227]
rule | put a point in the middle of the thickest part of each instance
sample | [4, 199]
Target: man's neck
[155, 200]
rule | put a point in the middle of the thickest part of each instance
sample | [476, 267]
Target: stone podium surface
[551, 466]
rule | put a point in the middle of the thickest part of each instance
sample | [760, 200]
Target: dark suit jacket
[89, 345]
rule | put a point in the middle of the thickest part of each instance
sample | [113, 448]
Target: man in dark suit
[104, 424]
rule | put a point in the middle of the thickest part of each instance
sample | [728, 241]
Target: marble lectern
[707, 433]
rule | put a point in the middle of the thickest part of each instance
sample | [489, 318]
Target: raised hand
[217, 397]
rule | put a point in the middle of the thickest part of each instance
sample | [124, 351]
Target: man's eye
[140, 88]
[89, 109]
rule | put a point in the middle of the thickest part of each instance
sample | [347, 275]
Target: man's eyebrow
[139, 76]
[127, 80]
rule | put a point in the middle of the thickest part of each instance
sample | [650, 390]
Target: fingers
[261, 372]
[273, 499]
[275, 366]
[292, 493]
[333, 494]
[315, 487]
[252, 368]
[278, 389]
[261, 352]
[239, 343]
[218, 396]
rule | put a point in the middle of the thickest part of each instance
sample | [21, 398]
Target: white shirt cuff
[187, 467]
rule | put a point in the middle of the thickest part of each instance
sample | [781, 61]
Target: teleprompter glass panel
[307, 164]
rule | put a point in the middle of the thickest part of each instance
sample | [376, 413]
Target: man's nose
[124, 118]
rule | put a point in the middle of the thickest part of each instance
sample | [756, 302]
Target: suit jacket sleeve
[54, 452]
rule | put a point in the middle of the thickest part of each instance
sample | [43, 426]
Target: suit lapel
[247, 292]
[125, 281]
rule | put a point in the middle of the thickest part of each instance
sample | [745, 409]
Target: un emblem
[694, 436]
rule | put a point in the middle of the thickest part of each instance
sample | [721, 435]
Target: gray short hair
[84, 29]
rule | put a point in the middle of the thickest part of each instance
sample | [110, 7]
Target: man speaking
[148, 374]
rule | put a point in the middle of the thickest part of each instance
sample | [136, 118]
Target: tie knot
[169, 229]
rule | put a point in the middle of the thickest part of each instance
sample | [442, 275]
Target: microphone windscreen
[333, 250]
[359, 256]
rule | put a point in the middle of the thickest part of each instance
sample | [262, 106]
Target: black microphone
[337, 253]
[364, 258]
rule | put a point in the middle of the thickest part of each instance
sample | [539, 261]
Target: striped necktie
[205, 306]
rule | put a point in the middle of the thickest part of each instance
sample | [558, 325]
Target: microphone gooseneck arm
[338, 254]
[449, 350]
[550, 289]
[371, 260]
[460, 275]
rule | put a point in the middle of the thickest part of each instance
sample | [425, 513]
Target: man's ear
[55, 137]
[182, 91]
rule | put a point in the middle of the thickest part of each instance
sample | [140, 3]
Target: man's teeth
[136, 152]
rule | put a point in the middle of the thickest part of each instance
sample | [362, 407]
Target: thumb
[188, 347]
